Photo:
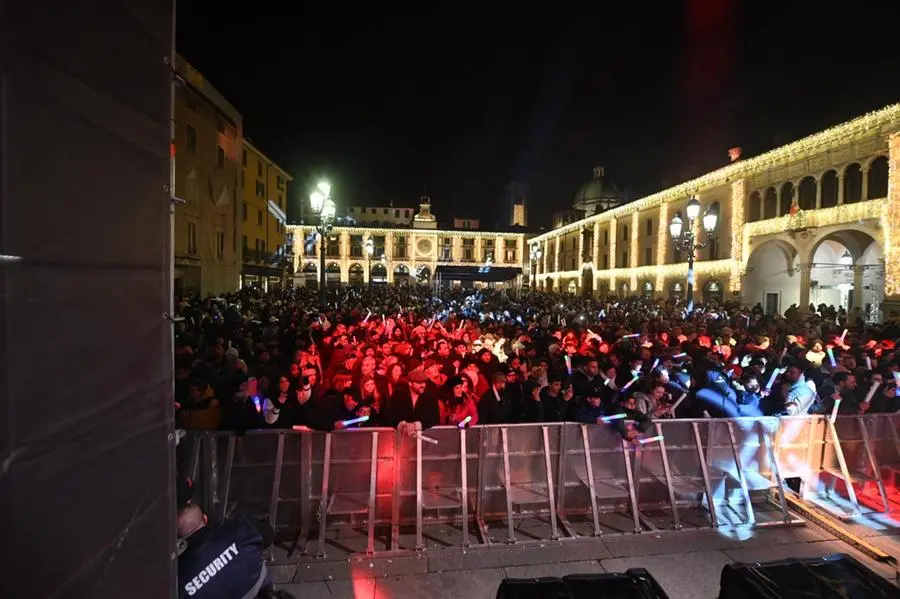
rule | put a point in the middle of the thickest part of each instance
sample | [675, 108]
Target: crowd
[410, 358]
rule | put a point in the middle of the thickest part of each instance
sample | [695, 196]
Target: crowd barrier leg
[276, 486]
[676, 520]
[322, 514]
[632, 494]
[194, 468]
[843, 471]
[395, 500]
[464, 486]
[742, 480]
[776, 473]
[873, 463]
[420, 543]
[589, 469]
[373, 480]
[554, 531]
[483, 531]
[507, 487]
[704, 471]
[226, 478]
[211, 490]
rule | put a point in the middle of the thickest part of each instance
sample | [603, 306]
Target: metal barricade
[371, 491]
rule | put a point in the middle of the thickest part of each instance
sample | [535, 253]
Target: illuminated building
[422, 252]
[264, 201]
[207, 145]
[788, 219]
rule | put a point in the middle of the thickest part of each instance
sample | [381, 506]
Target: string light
[662, 244]
[613, 238]
[738, 197]
[635, 259]
[891, 220]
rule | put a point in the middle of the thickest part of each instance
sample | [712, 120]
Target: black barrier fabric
[86, 500]
[635, 583]
[836, 576]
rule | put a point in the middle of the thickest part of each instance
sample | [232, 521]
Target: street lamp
[369, 246]
[536, 254]
[324, 208]
[685, 241]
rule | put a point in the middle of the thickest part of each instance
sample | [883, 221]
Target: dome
[597, 195]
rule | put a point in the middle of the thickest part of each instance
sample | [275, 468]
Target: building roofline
[468, 232]
[742, 168]
[268, 160]
[202, 86]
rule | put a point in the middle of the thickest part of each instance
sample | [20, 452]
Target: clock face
[423, 246]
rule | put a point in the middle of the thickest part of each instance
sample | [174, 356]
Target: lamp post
[323, 207]
[536, 254]
[685, 241]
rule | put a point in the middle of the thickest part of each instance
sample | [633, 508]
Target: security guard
[224, 561]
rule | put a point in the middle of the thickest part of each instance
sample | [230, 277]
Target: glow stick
[354, 420]
[681, 355]
[844, 334]
[772, 378]
[631, 336]
[465, 421]
[868, 363]
[257, 404]
[426, 439]
[831, 358]
[834, 411]
[568, 360]
[650, 439]
[613, 417]
[897, 383]
[366, 319]
[655, 364]
[783, 353]
[871, 392]
[631, 382]
[678, 402]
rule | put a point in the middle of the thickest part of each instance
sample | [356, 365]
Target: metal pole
[322, 264]
[690, 278]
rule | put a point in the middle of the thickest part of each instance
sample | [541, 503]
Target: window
[625, 232]
[220, 244]
[192, 239]
[281, 201]
[648, 255]
[396, 214]
[510, 251]
[446, 249]
[384, 211]
[714, 248]
[400, 246]
[259, 168]
[333, 247]
[260, 189]
[191, 139]
[605, 261]
[624, 260]
[649, 227]
[259, 217]
[468, 250]
[244, 242]
[406, 214]
[244, 210]
[244, 158]
[220, 156]
[356, 246]
[487, 249]
[373, 211]
[605, 237]
[279, 182]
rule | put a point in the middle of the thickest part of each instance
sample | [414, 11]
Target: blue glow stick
[465, 421]
[613, 417]
[568, 360]
[650, 439]
[834, 411]
[354, 420]
[681, 355]
[631, 382]
[772, 378]
[831, 357]
[655, 364]
[257, 404]
[897, 384]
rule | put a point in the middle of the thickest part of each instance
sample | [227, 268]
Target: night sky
[394, 100]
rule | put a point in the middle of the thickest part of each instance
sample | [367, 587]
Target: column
[556, 253]
[818, 193]
[613, 243]
[858, 271]
[738, 211]
[762, 205]
[662, 249]
[805, 272]
[345, 256]
[865, 184]
[389, 254]
[635, 250]
[840, 198]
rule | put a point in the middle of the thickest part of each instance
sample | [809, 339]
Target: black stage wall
[86, 501]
